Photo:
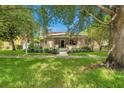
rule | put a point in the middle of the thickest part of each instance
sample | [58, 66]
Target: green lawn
[57, 72]
[19, 52]
[89, 53]
[11, 52]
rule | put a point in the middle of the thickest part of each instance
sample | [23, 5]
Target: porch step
[62, 50]
[63, 53]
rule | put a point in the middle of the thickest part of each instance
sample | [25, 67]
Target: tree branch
[98, 20]
[106, 10]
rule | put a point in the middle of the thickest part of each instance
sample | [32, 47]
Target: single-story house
[63, 40]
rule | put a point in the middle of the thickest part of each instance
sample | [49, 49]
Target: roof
[56, 33]
[62, 35]
[83, 33]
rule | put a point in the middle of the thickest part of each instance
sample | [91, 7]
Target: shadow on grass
[56, 72]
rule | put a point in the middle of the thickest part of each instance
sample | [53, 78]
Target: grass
[45, 54]
[89, 53]
[11, 52]
[57, 72]
[19, 52]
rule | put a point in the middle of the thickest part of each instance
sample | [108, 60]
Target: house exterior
[4, 45]
[63, 40]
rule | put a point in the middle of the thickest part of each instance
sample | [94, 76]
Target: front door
[62, 44]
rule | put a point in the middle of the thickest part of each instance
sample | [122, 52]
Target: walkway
[56, 56]
[62, 52]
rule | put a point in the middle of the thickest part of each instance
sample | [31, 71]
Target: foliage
[83, 49]
[76, 18]
[98, 33]
[51, 50]
[86, 49]
[19, 46]
[16, 21]
[1, 44]
[37, 49]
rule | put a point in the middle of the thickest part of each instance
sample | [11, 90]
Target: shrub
[83, 49]
[74, 50]
[33, 48]
[86, 49]
[54, 51]
[36, 49]
[19, 46]
[51, 50]
[46, 50]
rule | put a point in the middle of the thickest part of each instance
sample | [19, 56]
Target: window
[56, 42]
[45, 41]
[72, 42]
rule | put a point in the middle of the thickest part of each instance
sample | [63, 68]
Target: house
[4, 45]
[63, 40]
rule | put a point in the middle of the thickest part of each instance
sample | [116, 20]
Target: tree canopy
[16, 21]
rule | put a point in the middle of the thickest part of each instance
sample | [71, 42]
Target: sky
[59, 27]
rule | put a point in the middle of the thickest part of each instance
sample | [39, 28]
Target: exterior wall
[42, 44]
[50, 43]
[80, 43]
[71, 46]
[56, 42]
[7, 45]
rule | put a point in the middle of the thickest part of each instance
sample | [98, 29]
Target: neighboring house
[63, 40]
[7, 45]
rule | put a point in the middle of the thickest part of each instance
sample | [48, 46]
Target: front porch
[65, 43]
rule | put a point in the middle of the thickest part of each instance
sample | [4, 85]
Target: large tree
[16, 21]
[116, 54]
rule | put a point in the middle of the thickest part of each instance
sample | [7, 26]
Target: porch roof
[63, 35]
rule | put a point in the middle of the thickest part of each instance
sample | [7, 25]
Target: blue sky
[59, 27]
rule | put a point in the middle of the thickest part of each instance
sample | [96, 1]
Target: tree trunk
[110, 38]
[13, 45]
[26, 49]
[92, 45]
[116, 54]
[100, 45]
[100, 48]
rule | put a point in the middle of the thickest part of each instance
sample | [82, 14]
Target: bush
[74, 50]
[33, 48]
[54, 51]
[51, 50]
[86, 49]
[36, 49]
[83, 49]
[19, 46]
[46, 50]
